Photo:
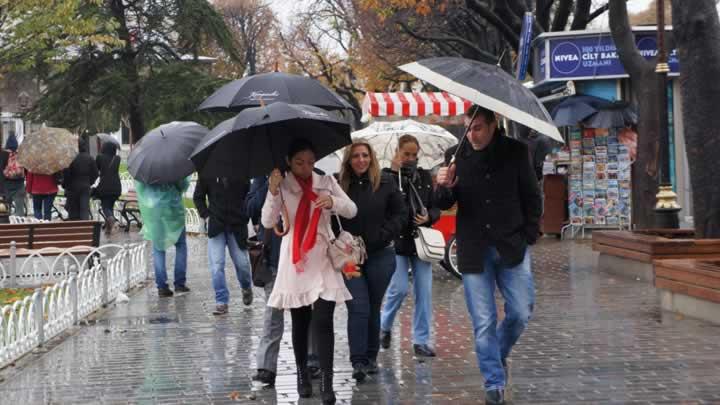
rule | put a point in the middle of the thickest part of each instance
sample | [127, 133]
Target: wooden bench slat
[708, 294]
[698, 278]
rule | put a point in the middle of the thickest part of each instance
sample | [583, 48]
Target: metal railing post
[40, 315]
[74, 297]
[105, 274]
[13, 265]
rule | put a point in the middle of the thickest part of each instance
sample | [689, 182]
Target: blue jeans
[42, 205]
[239, 257]
[422, 282]
[364, 308]
[180, 263]
[493, 342]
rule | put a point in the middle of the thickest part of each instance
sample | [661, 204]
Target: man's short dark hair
[475, 111]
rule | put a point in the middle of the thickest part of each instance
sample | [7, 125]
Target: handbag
[258, 250]
[345, 248]
[429, 244]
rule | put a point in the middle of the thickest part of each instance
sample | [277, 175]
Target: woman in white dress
[307, 283]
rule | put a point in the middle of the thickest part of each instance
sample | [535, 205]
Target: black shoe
[304, 386]
[247, 295]
[266, 377]
[326, 388]
[424, 351]
[165, 292]
[372, 367]
[385, 338]
[359, 372]
[495, 397]
[182, 289]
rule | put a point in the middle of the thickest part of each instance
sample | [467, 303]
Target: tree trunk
[134, 101]
[697, 34]
[645, 86]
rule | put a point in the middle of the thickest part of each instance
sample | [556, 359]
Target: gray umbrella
[107, 138]
[162, 155]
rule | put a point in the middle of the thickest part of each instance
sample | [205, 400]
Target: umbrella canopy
[576, 108]
[48, 150]
[487, 86]
[616, 115]
[256, 141]
[162, 155]
[383, 137]
[330, 164]
[107, 138]
[268, 88]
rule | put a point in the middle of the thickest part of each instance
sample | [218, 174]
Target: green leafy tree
[93, 78]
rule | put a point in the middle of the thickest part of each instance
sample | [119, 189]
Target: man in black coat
[222, 202]
[498, 210]
[77, 180]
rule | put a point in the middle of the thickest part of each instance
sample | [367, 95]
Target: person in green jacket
[163, 213]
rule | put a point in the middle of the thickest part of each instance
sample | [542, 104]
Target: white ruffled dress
[318, 279]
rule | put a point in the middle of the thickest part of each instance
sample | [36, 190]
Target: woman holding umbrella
[307, 283]
[109, 189]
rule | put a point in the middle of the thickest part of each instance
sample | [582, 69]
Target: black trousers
[108, 205]
[319, 317]
[78, 205]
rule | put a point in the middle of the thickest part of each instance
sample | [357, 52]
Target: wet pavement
[594, 338]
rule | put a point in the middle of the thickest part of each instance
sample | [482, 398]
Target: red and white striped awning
[414, 104]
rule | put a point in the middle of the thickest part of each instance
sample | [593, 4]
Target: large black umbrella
[162, 155]
[576, 108]
[488, 86]
[617, 115]
[268, 88]
[256, 141]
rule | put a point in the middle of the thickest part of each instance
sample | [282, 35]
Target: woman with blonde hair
[381, 214]
[306, 282]
[417, 189]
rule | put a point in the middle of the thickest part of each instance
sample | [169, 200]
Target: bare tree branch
[508, 32]
[582, 12]
[490, 58]
[562, 14]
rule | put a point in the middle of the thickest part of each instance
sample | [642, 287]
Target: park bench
[690, 287]
[130, 210]
[30, 237]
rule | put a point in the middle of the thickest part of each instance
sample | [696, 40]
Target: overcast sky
[287, 8]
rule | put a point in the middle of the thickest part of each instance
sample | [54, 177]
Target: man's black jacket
[223, 201]
[499, 202]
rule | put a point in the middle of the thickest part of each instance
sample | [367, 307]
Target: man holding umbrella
[222, 201]
[499, 206]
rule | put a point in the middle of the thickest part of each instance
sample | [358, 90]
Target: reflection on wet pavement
[594, 338]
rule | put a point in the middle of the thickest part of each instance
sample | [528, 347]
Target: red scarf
[305, 232]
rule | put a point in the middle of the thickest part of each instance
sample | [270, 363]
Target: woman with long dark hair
[306, 282]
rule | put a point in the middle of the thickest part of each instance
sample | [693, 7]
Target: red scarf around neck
[305, 232]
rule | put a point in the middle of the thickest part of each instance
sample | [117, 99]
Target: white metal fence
[31, 322]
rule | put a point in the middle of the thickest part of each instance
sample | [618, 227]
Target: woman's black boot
[326, 387]
[304, 386]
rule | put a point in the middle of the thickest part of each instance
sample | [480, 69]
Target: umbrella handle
[285, 217]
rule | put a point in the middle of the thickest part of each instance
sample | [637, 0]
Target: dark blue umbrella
[618, 115]
[576, 108]
[256, 141]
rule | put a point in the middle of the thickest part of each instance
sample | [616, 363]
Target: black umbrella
[256, 141]
[268, 88]
[617, 115]
[488, 86]
[576, 108]
[162, 155]
[107, 138]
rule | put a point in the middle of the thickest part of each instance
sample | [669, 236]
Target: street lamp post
[667, 207]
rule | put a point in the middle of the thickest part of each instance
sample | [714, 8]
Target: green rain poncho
[163, 212]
